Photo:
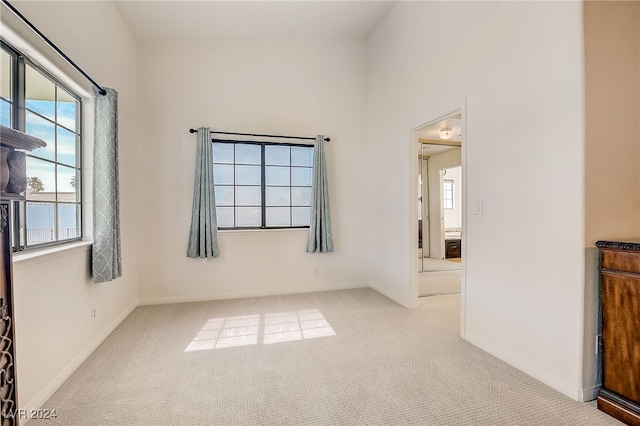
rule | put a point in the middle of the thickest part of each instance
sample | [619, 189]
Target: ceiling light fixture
[445, 133]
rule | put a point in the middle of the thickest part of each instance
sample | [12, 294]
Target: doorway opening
[440, 206]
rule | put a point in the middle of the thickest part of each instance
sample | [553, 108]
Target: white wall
[520, 67]
[281, 86]
[54, 293]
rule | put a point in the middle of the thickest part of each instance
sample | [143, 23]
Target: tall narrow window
[447, 194]
[42, 106]
[262, 185]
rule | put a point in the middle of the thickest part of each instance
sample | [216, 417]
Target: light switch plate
[478, 208]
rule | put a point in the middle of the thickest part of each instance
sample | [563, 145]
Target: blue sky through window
[62, 148]
[5, 113]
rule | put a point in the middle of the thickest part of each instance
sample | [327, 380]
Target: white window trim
[32, 257]
[79, 86]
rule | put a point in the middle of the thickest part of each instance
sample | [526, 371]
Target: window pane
[300, 216]
[447, 194]
[5, 113]
[248, 195]
[248, 216]
[68, 221]
[301, 176]
[45, 130]
[301, 156]
[248, 175]
[6, 66]
[248, 154]
[301, 196]
[40, 93]
[240, 177]
[223, 153]
[66, 147]
[41, 180]
[278, 216]
[277, 175]
[67, 106]
[225, 217]
[40, 223]
[67, 191]
[224, 196]
[52, 210]
[222, 174]
[278, 196]
[277, 155]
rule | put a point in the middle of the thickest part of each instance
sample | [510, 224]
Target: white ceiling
[207, 19]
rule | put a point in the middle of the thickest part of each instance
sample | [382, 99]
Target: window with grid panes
[262, 185]
[447, 194]
[35, 102]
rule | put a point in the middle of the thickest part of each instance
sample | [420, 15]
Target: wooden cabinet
[453, 248]
[620, 275]
[13, 181]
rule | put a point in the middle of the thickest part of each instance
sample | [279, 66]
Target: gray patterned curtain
[320, 239]
[203, 236]
[106, 256]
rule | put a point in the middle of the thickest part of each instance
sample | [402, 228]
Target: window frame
[18, 121]
[263, 185]
[445, 199]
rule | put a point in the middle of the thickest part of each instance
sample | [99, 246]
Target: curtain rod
[53, 46]
[260, 135]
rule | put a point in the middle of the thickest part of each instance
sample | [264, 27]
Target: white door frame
[413, 139]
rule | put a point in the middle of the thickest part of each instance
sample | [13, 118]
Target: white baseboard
[561, 386]
[55, 384]
[590, 393]
[242, 294]
[400, 300]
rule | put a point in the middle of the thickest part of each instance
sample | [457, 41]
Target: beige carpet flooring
[437, 283]
[333, 358]
[430, 264]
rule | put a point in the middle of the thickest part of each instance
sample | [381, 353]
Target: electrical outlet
[93, 313]
[315, 271]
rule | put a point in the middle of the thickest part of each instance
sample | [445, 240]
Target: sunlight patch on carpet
[271, 328]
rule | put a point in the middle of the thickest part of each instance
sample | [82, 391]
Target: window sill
[42, 255]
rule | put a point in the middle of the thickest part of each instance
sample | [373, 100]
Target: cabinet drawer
[623, 261]
[453, 248]
[621, 335]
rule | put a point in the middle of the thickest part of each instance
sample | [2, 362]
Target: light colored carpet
[357, 359]
[439, 282]
[430, 264]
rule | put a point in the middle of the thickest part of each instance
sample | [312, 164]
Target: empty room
[211, 211]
